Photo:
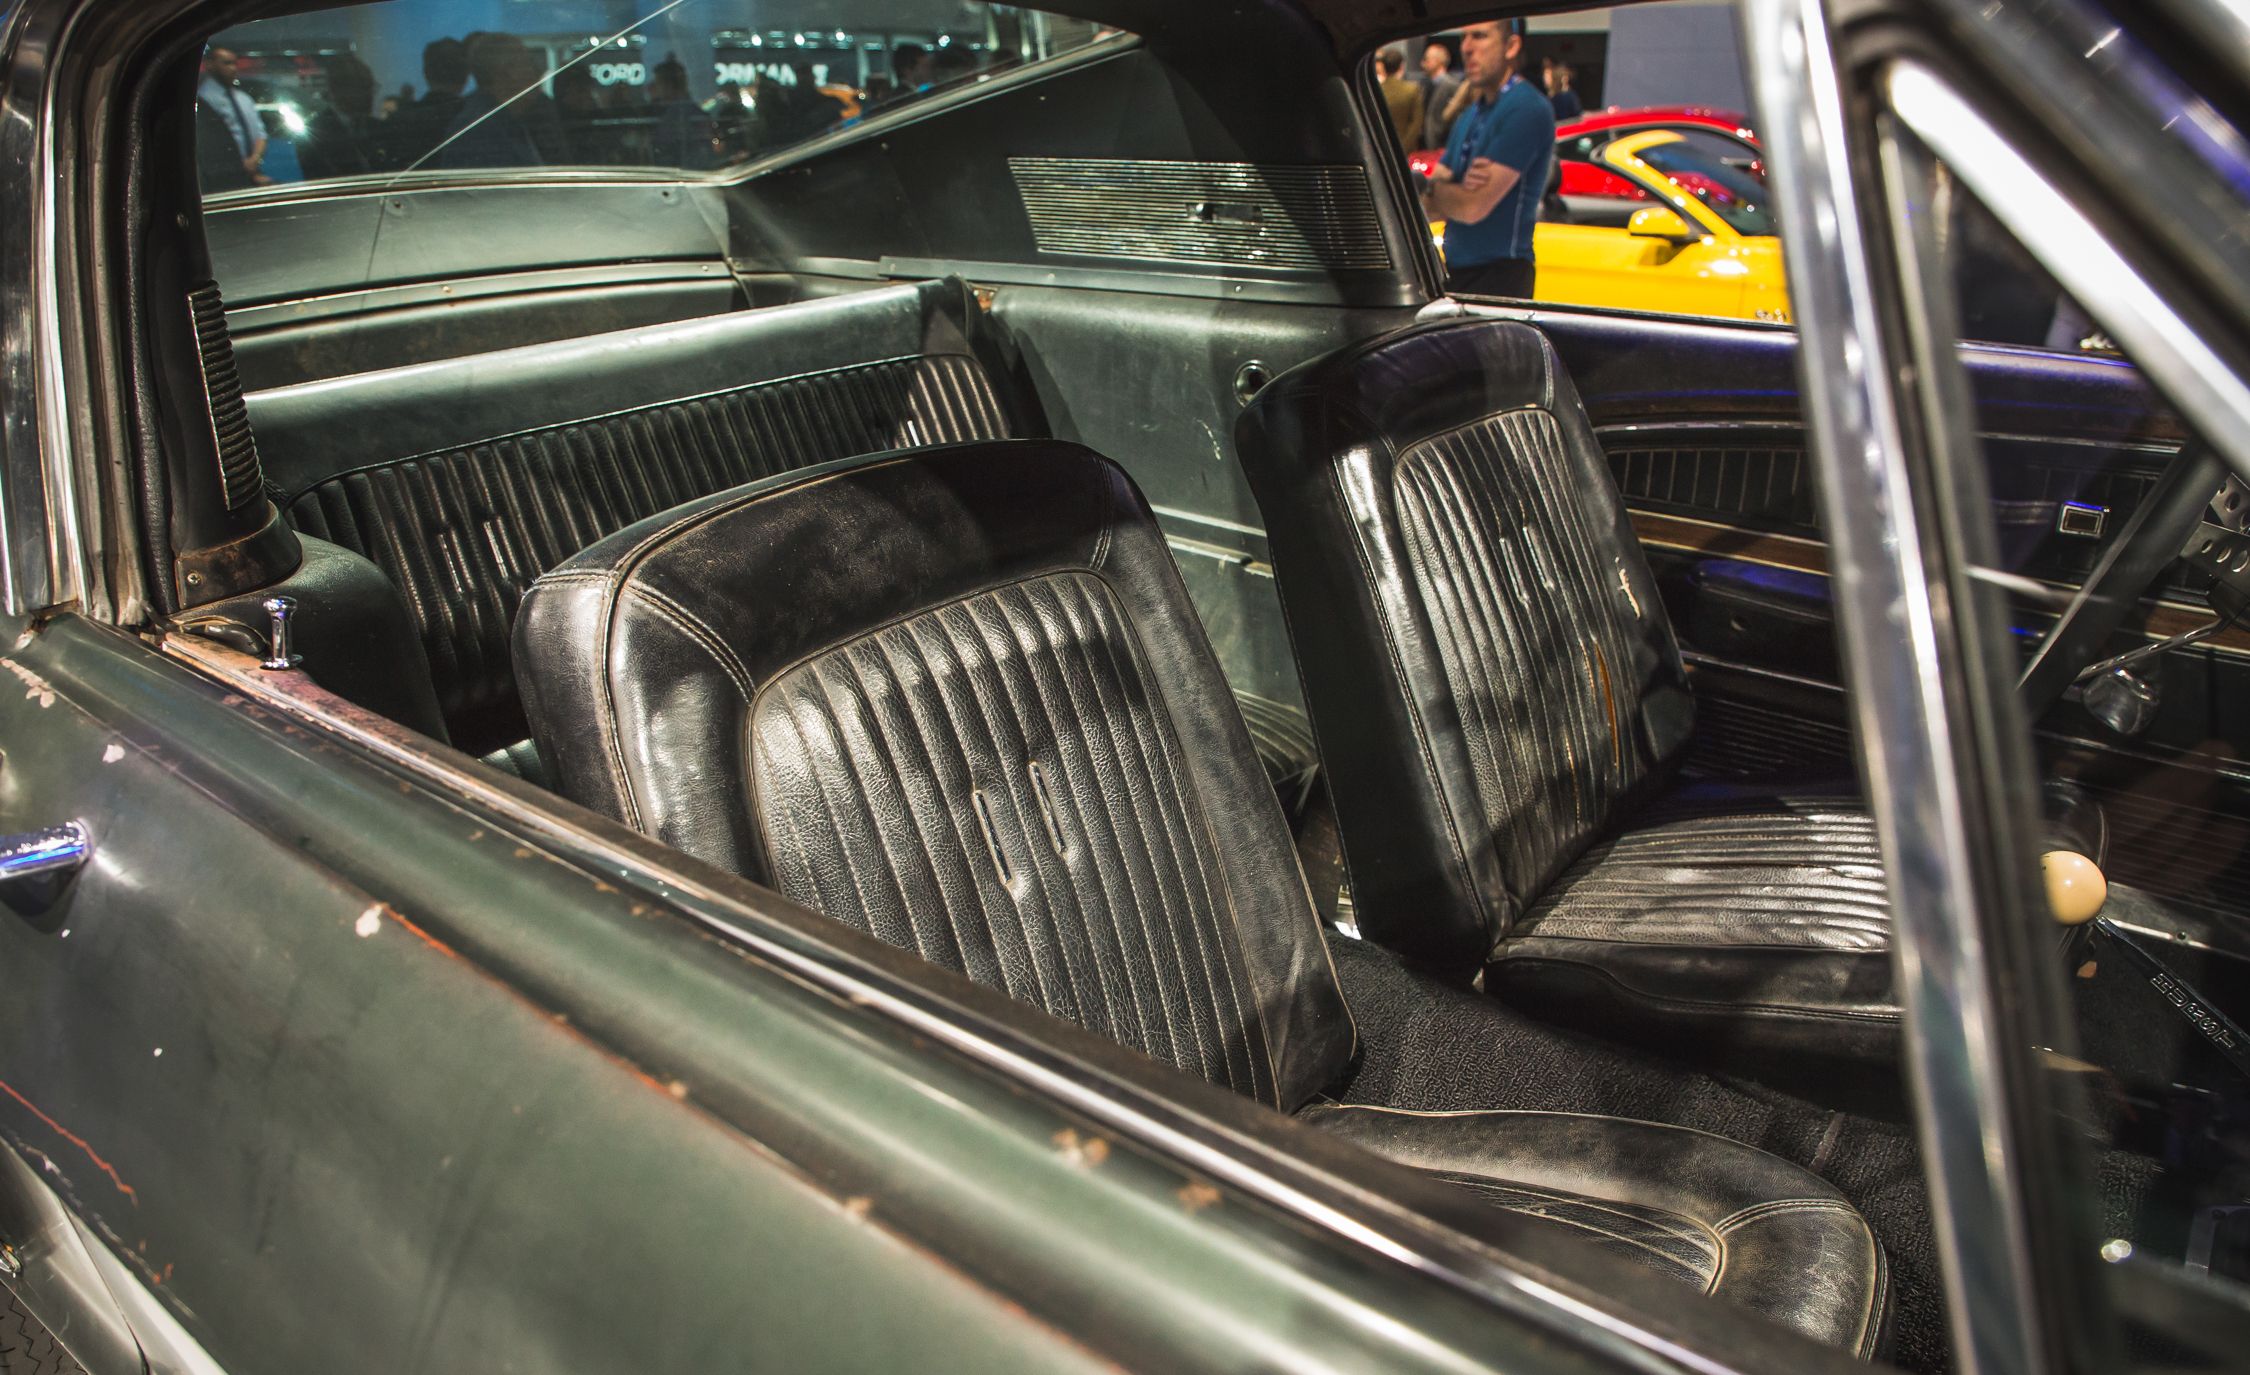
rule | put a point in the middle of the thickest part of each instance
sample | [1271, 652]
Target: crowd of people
[488, 100]
[1426, 103]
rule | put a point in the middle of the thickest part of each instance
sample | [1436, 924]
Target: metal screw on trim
[277, 647]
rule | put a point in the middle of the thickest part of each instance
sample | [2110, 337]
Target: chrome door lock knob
[277, 646]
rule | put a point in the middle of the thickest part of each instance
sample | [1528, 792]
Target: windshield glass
[1733, 195]
[694, 86]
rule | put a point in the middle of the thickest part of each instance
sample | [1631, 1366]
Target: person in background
[1488, 185]
[678, 126]
[1402, 97]
[911, 68]
[221, 94]
[1439, 86]
[409, 135]
[1556, 76]
[507, 121]
[336, 139]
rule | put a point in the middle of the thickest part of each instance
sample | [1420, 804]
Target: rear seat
[464, 480]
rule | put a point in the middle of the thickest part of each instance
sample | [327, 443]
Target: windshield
[1730, 193]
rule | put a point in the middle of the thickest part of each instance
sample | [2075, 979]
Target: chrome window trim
[1888, 627]
[2213, 399]
[46, 551]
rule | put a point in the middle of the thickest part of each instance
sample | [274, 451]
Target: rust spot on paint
[74, 1139]
[35, 688]
[476, 835]
[386, 910]
[857, 1208]
[1088, 1150]
[601, 887]
[522, 853]
[1195, 1196]
[677, 1088]
[2087, 970]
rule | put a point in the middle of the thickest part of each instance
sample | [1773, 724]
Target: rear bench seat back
[464, 480]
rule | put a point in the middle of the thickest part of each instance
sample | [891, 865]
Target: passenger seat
[958, 699]
[1499, 704]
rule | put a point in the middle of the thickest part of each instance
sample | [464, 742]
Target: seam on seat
[1694, 1231]
[1759, 1211]
[1731, 1007]
[693, 626]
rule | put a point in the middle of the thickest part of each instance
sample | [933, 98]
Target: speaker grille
[240, 476]
[1227, 214]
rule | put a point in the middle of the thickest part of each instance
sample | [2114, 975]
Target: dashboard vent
[240, 476]
[1213, 214]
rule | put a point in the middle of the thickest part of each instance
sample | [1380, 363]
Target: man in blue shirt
[237, 112]
[1488, 185]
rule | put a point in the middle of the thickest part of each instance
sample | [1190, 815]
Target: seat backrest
[465, 479]
[957, 698]
[1490, 673]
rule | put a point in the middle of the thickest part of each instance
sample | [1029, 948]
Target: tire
[26, 1347]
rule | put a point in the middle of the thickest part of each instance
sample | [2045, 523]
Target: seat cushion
[1694, 1209]
[1746, 918]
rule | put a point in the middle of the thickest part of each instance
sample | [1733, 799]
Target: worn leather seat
[959, 700]
[1499, 702]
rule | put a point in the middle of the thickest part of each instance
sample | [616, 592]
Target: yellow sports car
[1703, 242]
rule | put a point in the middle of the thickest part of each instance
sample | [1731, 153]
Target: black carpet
[1432, 1047]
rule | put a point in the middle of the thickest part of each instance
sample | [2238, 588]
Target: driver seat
[1499, 704]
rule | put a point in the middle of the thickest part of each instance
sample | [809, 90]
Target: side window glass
[1603, 158]
[697, 87]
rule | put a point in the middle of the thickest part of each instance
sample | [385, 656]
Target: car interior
[1423, 719]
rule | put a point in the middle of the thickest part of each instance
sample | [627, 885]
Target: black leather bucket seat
[959, 700]
[1499, 701]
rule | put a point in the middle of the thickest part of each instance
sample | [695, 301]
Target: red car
[1596, 195]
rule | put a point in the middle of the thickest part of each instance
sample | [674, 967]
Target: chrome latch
[277, 644]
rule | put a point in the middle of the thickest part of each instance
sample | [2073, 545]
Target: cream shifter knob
[2076, 889]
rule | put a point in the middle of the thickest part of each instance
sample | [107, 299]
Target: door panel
[1702, 427]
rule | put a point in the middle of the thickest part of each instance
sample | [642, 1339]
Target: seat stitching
[1758, 1211]
[698, 630]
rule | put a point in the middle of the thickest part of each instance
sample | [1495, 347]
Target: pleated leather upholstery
[1715, 865]
[1500, 706]
[993, 785]
[1489, 670]
[463, 532]
[1528, 618]
[1755, 917]
[957, 699]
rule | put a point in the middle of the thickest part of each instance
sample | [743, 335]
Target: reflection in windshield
[693, 85]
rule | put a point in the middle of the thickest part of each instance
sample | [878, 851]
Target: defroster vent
[1227, 214]
[237, 448]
